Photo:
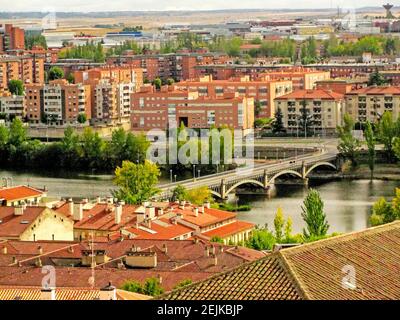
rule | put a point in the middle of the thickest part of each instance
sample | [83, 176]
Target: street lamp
[194, 172]
[198, 173]
[170, 175]
[175, 177]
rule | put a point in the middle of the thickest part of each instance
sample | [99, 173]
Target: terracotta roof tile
[19, 192]
[312, 94]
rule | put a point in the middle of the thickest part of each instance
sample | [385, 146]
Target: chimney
[206, 252]
[78, 211]
[207, 205]
[196, 212]
[201, 209]
[48, 294]
[110, 200]
[118, 213]
[71, 249]
[159, 278]
[150, 212]
[85, 200]
[40, 250]
[98, 199]
[165, 248]
[4, 250]
[215, 260]
[160, 211]
[71, 207]
[109, 292]
[19, 210]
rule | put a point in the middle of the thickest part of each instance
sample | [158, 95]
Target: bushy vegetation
[151, 287]
[89, 51]
[386, 212]
[74, 152]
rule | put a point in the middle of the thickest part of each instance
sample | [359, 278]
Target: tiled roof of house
[229, 229]
[19, 192]
[33, 293]
[312, 94]
[314, 271]
[165, 231]
[12, 225]
[376, 91]
[264, 279]
[176, 261]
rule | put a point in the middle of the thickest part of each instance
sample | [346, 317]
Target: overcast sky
[133, 5]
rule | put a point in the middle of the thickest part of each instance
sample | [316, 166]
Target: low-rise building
[369, 104]
[324, 107]
[12, 196]
[34, 223]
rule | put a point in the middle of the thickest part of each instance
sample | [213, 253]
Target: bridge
[263, 176]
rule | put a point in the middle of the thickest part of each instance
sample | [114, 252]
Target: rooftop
[19, 193]
[312, 94]
[315, 271]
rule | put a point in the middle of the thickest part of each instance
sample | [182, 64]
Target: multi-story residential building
[324, 107]
[352, 70]
[170, 107]
[11, 38]
[263, 91]
[342, 86]
[27, 68]
[12, 106]
[369, 104]
[57, 102]
[119, 74]
[112, 101]
[179, 66]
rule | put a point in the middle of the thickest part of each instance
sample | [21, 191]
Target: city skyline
[179, 5]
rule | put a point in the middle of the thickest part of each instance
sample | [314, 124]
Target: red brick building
[12, 38]
[170, 107]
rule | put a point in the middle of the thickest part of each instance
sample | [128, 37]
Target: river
[347, 203]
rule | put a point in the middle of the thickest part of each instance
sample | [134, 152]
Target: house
[362, 265]
[171, 262]
[158, 221]
[34, 223]
[12, 196]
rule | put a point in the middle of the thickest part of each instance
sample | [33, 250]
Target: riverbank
[386, 172]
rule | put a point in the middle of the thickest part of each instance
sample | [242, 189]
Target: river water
[347, 203]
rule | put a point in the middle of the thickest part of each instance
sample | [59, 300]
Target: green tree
[82, 118]
[152, 287]
[17, 134]
[16, 87]
[261, 239]
[371, 141]
[179, 193]
[279, 222]
[4, 136]
[170, 81]
[199, 195]
[55, 73]
[183, 283]
[136, 182]
[376, 78]
[348, 145]
[388, 130]
[263, 123]
[314, 216]
[396, 147]
[70, 148]
[92, 148]
[382, 212]
[157, 83]
[132, 286]
[277, 125]
[306, 120]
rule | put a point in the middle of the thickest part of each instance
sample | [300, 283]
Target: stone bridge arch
[285, 172]
[320, 164]
[246, 181]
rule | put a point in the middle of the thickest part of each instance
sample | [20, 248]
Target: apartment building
[27, 68]
[301, 78]
[178, 66]
[263, 91]
[325, 108]
[171, 107]
[12, 106]
[369, 104]
[58, 102]
[119, 74]
[352, 70]
[11, 38]
[112, 101]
